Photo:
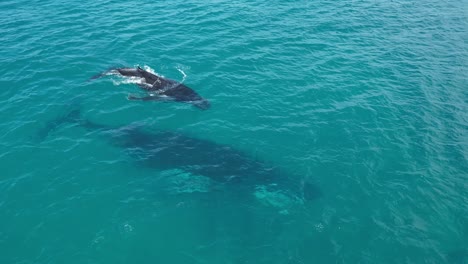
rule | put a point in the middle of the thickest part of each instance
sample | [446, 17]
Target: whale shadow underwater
[158, 88]
[166, 150]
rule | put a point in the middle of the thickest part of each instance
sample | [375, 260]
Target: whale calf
[160, 88]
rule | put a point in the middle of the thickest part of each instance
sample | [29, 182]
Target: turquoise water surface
[364, 101]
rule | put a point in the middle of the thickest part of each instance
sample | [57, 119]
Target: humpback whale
[168, 150]
[160, 88]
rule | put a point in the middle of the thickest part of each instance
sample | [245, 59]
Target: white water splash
[150, 70]
[127, 80]
[183, 74]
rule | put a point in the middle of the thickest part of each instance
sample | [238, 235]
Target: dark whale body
[166, 150]
[160, 88]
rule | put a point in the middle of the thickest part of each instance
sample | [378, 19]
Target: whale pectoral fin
[202, 104]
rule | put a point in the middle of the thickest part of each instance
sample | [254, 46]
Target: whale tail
[97, 76]
[72, 116]
[104, 73]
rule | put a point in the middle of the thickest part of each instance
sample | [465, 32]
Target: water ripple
[366, 98]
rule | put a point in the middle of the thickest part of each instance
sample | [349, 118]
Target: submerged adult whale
[165, 150]
[160, 88]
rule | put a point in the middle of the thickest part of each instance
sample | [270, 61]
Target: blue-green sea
[364, 101]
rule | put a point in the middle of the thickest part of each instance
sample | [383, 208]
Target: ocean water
[366, 101]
